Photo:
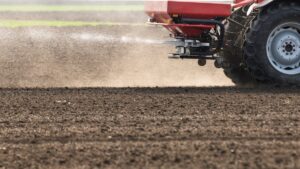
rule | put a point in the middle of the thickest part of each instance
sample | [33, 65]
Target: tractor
[254, 41]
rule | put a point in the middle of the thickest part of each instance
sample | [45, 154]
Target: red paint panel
[162, 12]
[158, 10]
[186, 9]
[243, 3]
[187, 30]
[198, 9]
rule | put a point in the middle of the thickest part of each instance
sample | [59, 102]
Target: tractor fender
[258, 5]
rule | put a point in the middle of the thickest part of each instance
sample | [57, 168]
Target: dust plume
[102, 38]
[102, 56]
[93, 57]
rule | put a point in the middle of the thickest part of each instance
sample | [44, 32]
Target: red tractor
[254, 41]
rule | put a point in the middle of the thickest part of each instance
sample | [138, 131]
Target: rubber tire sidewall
[261, 39]
[233, 48]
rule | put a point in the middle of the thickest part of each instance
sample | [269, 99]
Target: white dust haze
[101, 56]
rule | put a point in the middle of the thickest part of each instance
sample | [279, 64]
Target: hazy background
[76, 43]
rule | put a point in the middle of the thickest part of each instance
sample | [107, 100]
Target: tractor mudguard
[258, 5]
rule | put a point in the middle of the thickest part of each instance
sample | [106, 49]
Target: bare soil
[150, 128]
[209, 128]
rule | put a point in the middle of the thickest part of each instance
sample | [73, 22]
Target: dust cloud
[102, 56]
[101, 38]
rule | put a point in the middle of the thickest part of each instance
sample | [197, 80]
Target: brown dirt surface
[150, 128]
[209, 128]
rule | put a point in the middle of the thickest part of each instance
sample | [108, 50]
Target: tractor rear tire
[272, 44]
[233, 48]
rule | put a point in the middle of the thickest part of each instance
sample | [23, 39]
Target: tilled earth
[150, 128]
[209, 128]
